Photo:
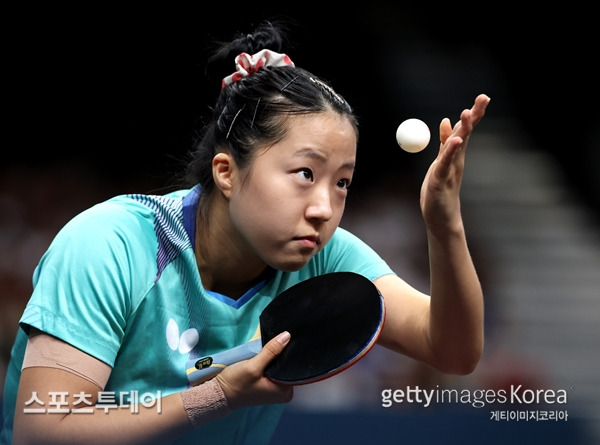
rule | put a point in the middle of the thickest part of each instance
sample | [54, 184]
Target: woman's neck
[225, 263]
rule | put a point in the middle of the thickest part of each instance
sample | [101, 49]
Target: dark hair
[253, 111]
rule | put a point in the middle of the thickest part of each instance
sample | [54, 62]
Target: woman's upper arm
[54, 388]
[54, 376]
[407, 318]
[60, 387]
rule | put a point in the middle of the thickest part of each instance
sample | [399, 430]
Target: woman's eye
[343, 183]
[306, 174]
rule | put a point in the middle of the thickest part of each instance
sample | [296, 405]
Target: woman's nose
[320, 205]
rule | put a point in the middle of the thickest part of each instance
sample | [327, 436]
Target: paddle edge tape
[348, 363]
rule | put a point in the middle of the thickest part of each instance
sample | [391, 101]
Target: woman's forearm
[456, 315]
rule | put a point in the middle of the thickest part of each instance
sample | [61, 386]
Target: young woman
[134, 287]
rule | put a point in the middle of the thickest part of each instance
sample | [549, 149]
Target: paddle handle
[205, 368]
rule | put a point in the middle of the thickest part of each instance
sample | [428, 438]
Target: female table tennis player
[134, 287]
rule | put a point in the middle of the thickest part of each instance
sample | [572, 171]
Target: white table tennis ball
[413, 135]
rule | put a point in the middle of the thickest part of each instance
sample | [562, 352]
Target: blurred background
[105, 101]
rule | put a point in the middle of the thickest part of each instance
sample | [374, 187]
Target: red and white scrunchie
[246, 64]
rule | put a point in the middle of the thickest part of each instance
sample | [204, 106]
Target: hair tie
[246, 64]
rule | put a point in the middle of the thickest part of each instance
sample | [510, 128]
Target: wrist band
[205, 403]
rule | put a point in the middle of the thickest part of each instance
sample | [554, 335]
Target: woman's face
[292, 199]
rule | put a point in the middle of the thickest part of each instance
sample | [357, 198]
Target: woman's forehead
[317, 135]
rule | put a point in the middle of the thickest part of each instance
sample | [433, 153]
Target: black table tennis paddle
[334, 320]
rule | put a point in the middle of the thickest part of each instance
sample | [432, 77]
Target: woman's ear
[223, 168]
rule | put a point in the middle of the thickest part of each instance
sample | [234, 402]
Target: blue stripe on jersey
[168, 225]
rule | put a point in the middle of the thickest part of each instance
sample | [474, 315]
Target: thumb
[273, 348]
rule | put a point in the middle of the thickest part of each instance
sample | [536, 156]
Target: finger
[464, 126]
[471, 117]
[479, 107]
[445, 131]
[462, 129]
[452, 147]
[272, 349]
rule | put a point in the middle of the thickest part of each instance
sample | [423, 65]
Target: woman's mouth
[309, 242]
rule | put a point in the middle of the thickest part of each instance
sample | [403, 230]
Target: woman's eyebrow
[311, 153]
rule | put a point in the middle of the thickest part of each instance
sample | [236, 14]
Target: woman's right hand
[244, 383]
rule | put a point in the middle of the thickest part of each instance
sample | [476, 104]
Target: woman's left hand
[440, 200]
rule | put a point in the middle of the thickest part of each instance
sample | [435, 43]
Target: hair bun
[266, 36]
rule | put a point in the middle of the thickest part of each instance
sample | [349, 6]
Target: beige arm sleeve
[44, 350]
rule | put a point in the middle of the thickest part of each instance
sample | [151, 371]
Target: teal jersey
[120, 282]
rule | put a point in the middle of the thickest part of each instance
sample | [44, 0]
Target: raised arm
[445, 329]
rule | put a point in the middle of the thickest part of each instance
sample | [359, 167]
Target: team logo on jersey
[183, 343]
